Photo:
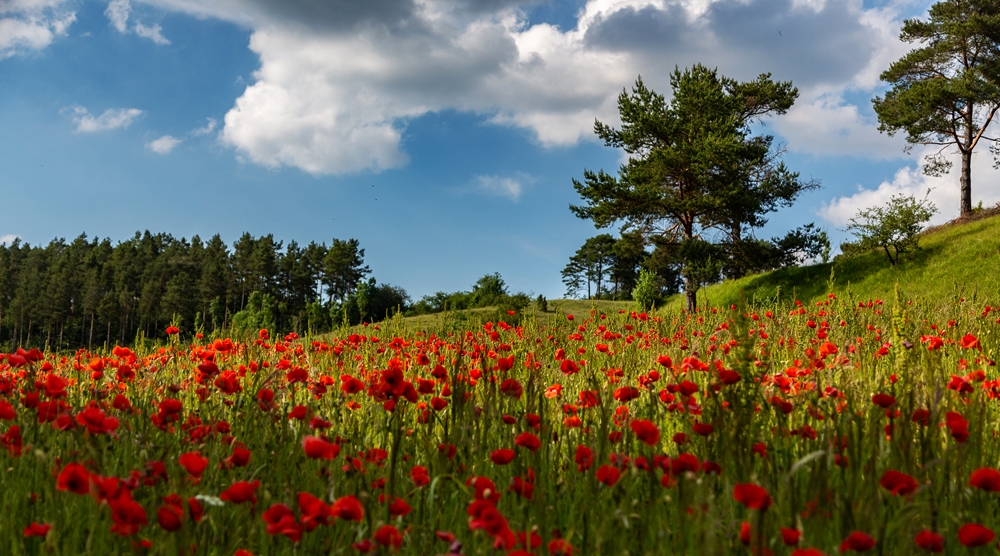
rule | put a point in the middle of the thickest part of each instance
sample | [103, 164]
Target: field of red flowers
[844, 426]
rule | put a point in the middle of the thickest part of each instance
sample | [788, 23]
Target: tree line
[90, 292]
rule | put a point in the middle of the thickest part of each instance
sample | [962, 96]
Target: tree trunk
[690, 289]
[966, 178]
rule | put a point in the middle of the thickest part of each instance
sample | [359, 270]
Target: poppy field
[839, 426]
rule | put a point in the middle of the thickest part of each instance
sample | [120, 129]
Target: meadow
[784, 428]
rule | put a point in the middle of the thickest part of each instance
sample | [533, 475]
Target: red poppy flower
[314, 511]
[790, 536]
[857, 541]
[171, 330]
[974, 534]
[319, 448]
[884, 401]
[127, 514]
[584, 458]
[930, 541]
[646, 431]
[806, 552]
[74, 478]
[608, 474]
[684, 463]
[399, 507]
[986, 479]
[7, 412]
[969, 342]
[569, 367]
[752, 496]
[898, 483]
[958, 426]
[389, 536]
[170, 517]
[703, 429]
[241, 492]
[560, 547]
[503, 456]
[348, 508]
[528, 440]
[665, 361]
[745, 533]
[194, 463]
[281, 521]
[37, 530]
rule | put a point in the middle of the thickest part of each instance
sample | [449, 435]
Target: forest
[91, 292]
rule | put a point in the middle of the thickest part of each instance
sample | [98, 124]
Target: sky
[442, 134]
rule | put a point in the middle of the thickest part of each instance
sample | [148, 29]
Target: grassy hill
[958, 259]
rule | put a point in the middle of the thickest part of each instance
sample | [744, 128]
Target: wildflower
[241, 492]
[319, 448]
[930, 541]
[974, 534]
[37, 530]
[898, 483]
[752, 496]
[194, 463]
[608, 475]
[74, 478]
[857, 541]
[986, 479]
[502, 456]
[528, 440]
[646, 431]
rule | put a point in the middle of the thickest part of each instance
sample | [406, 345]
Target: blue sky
[443, 135]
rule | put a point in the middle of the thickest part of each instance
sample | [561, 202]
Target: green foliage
[894, 228]
[258, 314]
[947, 91]
[646, 292]
[541, 304]
[695, 170]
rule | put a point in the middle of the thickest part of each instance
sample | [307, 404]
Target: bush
[647, 289]
[893, 227]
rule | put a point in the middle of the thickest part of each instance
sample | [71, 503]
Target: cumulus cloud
[8, 239]
[338, 81]
[118, 13]
[501, 186]
[164, 144]
[27, 25]
[112, 118]
[910, 180]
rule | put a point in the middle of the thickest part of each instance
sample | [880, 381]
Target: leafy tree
[590, 264]
[894, 227]
[489, 290]
[947, 91]
[343, 268]
[695, 172]
[646, 292]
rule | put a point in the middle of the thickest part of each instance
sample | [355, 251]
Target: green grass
[954, 261]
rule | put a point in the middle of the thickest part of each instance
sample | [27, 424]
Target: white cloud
[208, 128]
[112, 118]
[909, 180]
[338, 82]
[117, 13]
[164, 144]
[827, 125]
[8, 239]
[152, 33]
[27, 25]
[501, 186]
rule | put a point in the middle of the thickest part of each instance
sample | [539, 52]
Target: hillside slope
[954, 260]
